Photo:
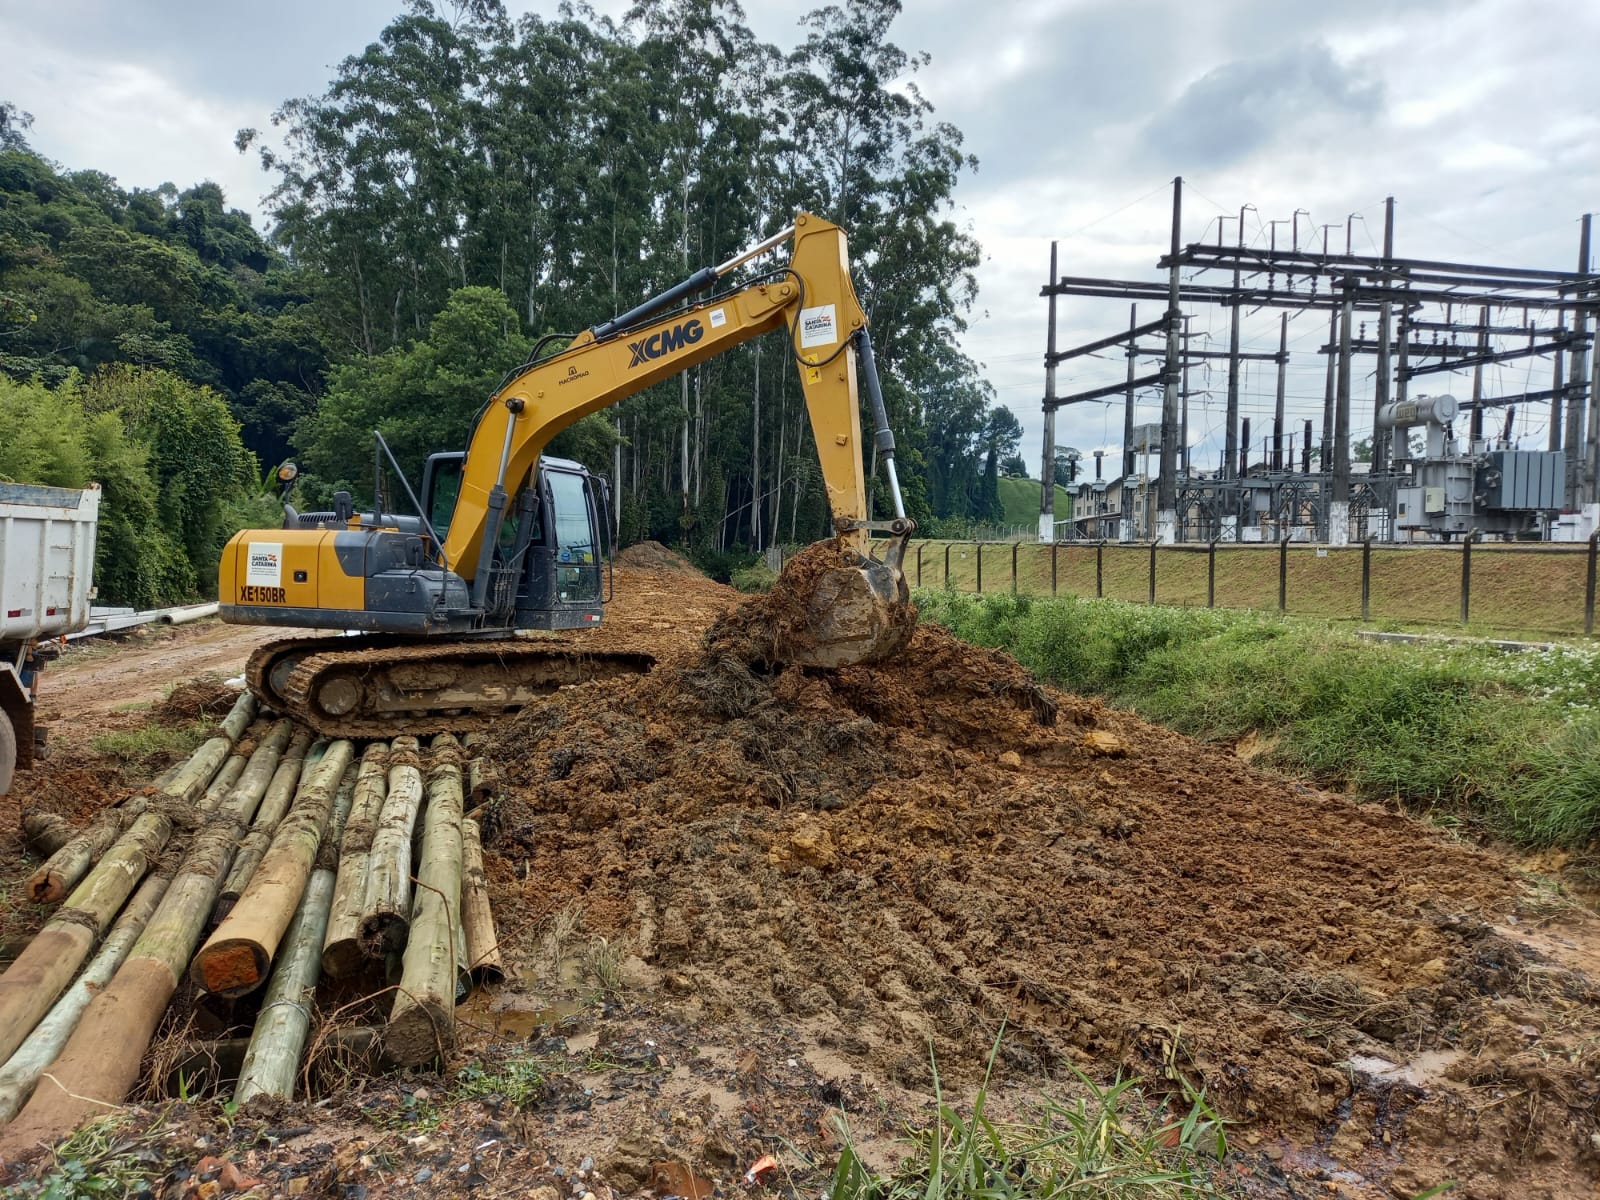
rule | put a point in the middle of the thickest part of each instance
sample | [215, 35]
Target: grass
[142, 745]
[1520, 590]
[1020, 499]
[1110, 1143]
[1508, 742]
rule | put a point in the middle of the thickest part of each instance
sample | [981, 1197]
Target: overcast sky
[1479, 118]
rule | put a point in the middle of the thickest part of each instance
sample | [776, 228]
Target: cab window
[574, 529]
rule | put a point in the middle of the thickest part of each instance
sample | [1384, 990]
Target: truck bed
[47, 537]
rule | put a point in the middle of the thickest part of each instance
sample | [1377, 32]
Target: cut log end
[48, 887]
[230, 968]
[344, 959]
[421, 1034]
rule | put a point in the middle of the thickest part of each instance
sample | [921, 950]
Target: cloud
[1242, 107]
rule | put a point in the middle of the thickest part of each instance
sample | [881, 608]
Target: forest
[468, 187]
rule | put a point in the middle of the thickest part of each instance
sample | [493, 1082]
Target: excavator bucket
[844, 608]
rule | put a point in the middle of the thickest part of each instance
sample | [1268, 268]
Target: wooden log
[22, 1071]
[422, 1022]
[193, 778]
[226, 778]
[341, 947]
[237, 956]
[44, 833]
[65, 868]
[101, 1060]
[274, 805]
[285, 1021]
[386, 903]
[483, 780]
[482, 944]
[221, 1059]
[47, 964]
[72, 861]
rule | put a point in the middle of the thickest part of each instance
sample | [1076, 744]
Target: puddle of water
[523, 1023]
[1425, 1070]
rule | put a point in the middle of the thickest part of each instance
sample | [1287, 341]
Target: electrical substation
[1403, 344]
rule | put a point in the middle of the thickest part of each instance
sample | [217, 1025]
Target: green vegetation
[1019, 500]
[1516, 589]
[1109, 1144]
[143, 744]
[175, 476]
[1507, 742]
[471, 189]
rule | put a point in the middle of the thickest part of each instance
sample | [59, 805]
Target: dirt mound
[653, 556]
[780, 625]
[913, 854]
[207, 698]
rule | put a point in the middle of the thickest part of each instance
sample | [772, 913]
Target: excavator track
[382, 687]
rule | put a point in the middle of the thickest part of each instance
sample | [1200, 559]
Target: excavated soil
[653, 556]
[810, 885]
[938, 853]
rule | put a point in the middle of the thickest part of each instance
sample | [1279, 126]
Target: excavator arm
[813, 297]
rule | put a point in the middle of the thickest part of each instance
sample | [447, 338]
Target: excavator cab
[551, 553]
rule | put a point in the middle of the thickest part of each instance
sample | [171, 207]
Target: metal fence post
[1100, 569]
[946, 582]
[1588, 587]
[1015, 546]
[1211, 573]
[977, 548]
[1283, 575]
[1366, 578]
[919, 564]
[1054, 546]
[1466, 575]
[1153, 546]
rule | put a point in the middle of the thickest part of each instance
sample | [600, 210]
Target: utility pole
[1339, 498]
[1183, 416]
[1230, 442]
[1380, 395]
[1326, 463]
[1167, 496]
[1277, 408]
[1129, 461]
[1047, 467]
[1475, 433]
[1578, 362]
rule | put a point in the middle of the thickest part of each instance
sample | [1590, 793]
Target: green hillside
[1021, 500]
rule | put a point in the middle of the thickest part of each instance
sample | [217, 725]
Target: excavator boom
[443, 596]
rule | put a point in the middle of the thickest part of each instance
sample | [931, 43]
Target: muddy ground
[739, 903]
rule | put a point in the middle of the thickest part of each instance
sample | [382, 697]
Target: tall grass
[1109, 1144]
[1509, 741]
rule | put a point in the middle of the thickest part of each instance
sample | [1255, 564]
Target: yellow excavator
[505, 542]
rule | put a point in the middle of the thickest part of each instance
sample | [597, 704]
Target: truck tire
[8, 753]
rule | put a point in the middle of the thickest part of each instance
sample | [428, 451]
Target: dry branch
[341, 949]
[483, 945]
[238, 954]
[385, 907]
[422, 1022]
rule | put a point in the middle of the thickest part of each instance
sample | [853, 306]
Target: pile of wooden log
[270, 862]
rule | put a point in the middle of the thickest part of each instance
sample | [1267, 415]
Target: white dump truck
[46, 582]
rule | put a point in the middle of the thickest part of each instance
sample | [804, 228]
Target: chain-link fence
[1546, 587]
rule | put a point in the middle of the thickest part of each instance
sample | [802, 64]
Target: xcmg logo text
[665, 342]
